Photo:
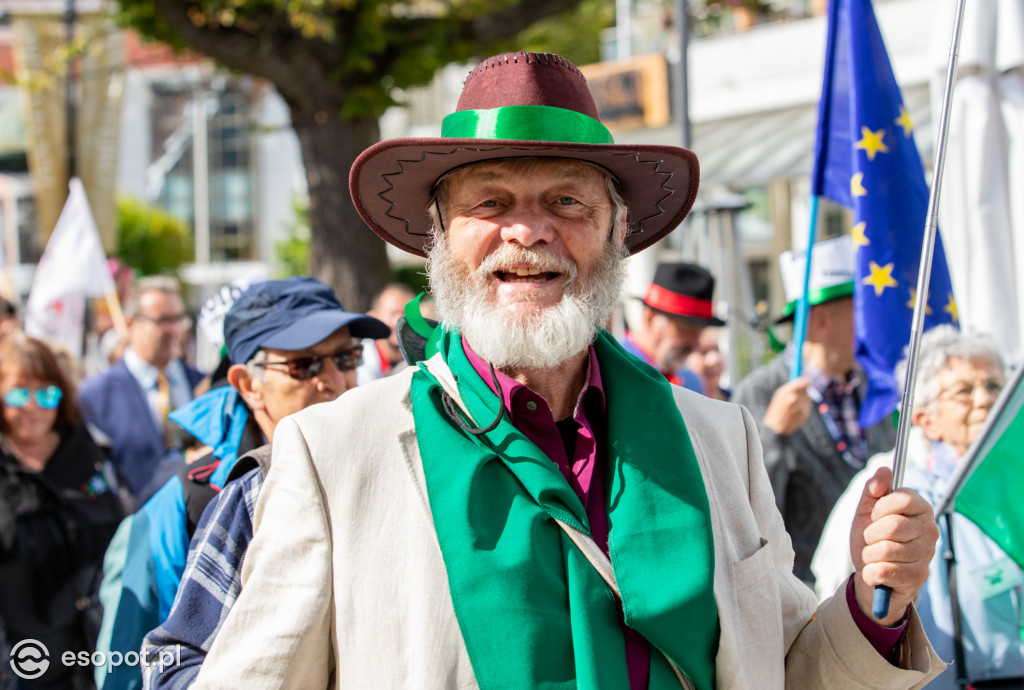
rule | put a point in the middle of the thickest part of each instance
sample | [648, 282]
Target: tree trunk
[344, 252]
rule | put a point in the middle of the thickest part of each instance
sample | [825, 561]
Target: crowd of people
[506, 495]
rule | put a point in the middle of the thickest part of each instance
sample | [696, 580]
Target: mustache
[539, 258]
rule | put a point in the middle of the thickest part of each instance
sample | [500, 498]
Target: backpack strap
[257, 457]
[195, 484]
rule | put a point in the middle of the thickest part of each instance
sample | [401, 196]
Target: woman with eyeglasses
[59, 507]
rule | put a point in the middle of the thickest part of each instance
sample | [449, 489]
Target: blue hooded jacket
[145, 560]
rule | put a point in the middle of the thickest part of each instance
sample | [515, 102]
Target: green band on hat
[815, 297]
[526, 123]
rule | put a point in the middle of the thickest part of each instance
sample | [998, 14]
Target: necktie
[163, 391]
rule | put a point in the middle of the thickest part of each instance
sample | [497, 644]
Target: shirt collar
[822, 381]
[512, 389]
[144, 372]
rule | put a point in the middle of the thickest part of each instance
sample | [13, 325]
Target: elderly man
[291, 345]
[531, 506]
[959, 378]
[677, 308]
[130, 402]
[810, 427]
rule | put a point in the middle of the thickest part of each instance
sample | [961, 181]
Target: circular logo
[30, 659]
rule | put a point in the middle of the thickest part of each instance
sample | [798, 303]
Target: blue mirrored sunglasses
[47, 398]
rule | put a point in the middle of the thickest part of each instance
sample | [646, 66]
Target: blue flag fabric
[866, 159]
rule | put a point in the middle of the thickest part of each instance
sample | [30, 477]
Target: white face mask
[542, 338]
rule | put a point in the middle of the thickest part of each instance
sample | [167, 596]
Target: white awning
[754, 149]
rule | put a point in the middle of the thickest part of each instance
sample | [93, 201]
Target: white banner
[211, 316]
[73, 267]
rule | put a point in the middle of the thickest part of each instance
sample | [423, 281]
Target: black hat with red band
[683, 290]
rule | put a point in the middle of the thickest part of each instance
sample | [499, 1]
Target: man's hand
[789, 408]
[892, 541]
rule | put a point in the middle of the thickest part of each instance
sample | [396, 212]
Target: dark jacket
[807, 472]
[116, 405]
[54, 527]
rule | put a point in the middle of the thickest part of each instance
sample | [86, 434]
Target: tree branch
[275, 51]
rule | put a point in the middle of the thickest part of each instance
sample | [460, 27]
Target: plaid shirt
[209, 586]
[839, 400]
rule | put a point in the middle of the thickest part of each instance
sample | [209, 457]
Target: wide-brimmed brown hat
[520, 105]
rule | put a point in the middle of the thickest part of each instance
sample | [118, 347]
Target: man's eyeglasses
[183, 320]
[305, 368]
[47, 398]
[963, 391]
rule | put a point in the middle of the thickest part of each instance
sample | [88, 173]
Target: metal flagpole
[880, 604]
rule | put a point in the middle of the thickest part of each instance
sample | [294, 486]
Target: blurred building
[213, 149]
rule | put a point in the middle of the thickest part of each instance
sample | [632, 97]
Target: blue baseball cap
[290, 314]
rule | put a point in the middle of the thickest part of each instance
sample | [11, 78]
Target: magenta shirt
[530, 414]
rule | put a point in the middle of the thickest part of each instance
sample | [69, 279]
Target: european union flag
[866, 160]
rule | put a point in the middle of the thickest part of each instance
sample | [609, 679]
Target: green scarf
[532, 610]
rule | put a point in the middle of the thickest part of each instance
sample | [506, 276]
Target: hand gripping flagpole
[880, 603]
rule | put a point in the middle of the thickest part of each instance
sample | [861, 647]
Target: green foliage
[413, 276]
[580, 46]
[142, 15]
[366, 47]
[292, 253]
[151, 240]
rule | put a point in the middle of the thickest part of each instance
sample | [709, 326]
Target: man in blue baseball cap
[291, 345]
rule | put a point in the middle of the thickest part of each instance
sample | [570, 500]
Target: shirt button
[531, 405]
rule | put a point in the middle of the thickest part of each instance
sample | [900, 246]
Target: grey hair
[620, 210]
[938, 346]
[256, 372]
[164, 284]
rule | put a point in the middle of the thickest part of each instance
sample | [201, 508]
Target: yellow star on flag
[950, 309]
[857, 185]
[871, 142]
[881, 277]
[913, 298]
[904, 121]
[858, 236]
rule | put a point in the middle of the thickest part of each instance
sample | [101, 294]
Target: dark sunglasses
[47, 398]
[305, 368]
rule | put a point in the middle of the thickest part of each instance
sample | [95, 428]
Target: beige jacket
[344, 585]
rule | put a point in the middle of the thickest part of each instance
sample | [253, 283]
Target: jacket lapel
[139, 399]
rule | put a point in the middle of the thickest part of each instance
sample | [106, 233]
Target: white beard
[542, 338]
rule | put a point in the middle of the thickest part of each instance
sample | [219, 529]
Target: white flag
[981, 213]
[72, 268]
